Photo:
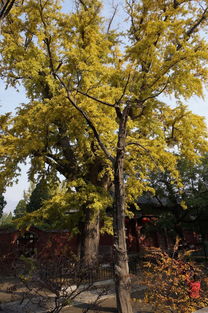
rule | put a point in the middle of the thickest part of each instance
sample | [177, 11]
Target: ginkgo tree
[95, 113]
[59, 141]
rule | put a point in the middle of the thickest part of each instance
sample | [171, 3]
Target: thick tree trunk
[90, 237]
[122, 277]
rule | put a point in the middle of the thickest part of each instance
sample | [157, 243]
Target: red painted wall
[50, 244]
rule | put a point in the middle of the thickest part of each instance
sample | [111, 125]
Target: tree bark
[122, 277]
[90, 237]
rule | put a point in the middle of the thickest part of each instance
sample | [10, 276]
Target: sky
[11, 98]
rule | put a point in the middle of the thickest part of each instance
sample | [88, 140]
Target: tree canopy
[67, 64]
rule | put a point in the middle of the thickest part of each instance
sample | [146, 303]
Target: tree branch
[145, 149]
[54, 163]
[47, 41]
[112, 18]
[131, 14]
[83, 4]
[141, 102]
[68, 152]
[155, 95]
[95, 99]
[165, 71]
[88, 120]
[118, 110]
[7, 6]
[179, 46]
[124, 91]
[193, 28]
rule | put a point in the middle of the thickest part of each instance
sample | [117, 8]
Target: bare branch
[82, 3]
[47, 42]
[158, 199]
[95, 99]
[141, 102]
[112, 18]
[50, 160]
[91, 125]
[193, 28]
[124, 91]
[137, 144]
[175, 4]
[118, 110]
[133, 26]
[156, 94]
[7, 6]
[59, 66]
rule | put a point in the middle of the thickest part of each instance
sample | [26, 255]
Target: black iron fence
[66, 270]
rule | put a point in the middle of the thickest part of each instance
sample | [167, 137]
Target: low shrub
[169, 283]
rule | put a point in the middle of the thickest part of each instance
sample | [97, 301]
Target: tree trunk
[90, 237]
[122, 277]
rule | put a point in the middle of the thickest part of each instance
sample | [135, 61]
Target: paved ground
[11, 301]
[108, 306]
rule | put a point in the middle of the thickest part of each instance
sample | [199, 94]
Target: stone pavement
[107, 303]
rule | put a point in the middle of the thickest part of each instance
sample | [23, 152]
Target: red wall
[50, 244]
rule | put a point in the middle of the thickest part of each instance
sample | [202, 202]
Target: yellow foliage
[167, 281]
[80, 79]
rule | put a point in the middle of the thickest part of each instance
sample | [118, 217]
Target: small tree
[2, 204]
[6, 220]
[38, 196]
[20, 209]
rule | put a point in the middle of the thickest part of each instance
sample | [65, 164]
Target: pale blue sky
[10, 99]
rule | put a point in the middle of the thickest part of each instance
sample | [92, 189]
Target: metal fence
[75, 272]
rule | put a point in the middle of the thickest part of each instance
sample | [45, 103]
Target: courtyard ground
[13, 299]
